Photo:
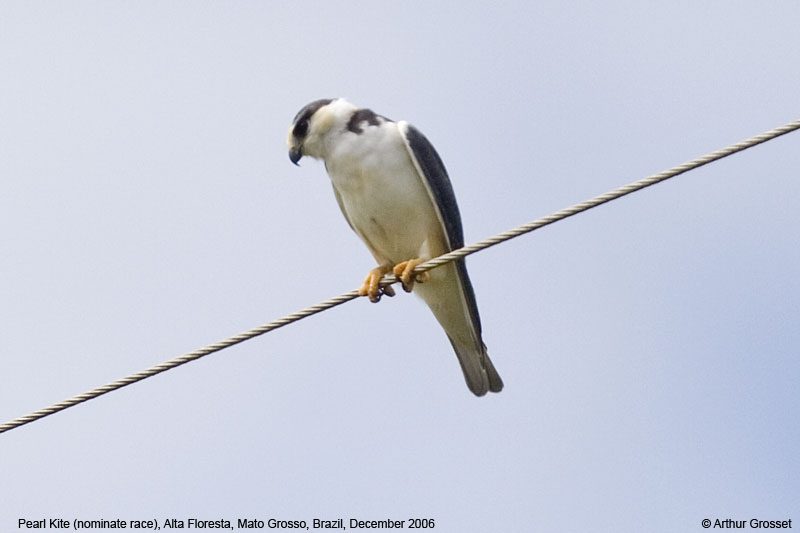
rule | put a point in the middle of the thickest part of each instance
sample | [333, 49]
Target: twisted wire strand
[608, 196]
[390, 279]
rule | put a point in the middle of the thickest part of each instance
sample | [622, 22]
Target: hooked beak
[295, 154]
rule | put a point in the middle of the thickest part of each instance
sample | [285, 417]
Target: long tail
[449, 295]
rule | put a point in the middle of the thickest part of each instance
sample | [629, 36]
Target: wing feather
[440, 189]
[478, 369]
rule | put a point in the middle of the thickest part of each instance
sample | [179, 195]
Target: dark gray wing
[440, 188]
[438, 182]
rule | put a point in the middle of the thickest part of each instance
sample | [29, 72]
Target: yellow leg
[372, 287]
[405, 273]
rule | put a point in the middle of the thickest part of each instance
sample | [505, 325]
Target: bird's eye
[301, 129]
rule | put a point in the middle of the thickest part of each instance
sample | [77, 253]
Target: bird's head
[311, 125]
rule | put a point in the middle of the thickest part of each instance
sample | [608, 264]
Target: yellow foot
[372, 284]
[405, 273]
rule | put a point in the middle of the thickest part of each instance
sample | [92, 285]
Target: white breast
[383, 196]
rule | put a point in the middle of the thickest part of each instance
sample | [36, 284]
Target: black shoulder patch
[304, 115]
[364, 115]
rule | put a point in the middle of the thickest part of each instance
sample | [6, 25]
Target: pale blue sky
[650, 348]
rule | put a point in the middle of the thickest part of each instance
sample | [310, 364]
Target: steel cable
[389, 279]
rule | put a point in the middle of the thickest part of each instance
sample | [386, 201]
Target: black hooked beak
[295, 154]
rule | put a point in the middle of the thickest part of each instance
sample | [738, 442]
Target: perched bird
[394, 191]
